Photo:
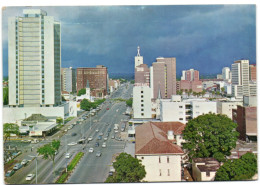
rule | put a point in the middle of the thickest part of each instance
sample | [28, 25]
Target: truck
[116, 126]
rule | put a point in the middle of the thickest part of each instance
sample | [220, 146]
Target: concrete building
[142, 75]
[225, 107]
[240, 78]
[163, 76]
[113, 85]
[68, 79]
[204, 169]
[176, 109]
[190, 75]
[34, 60]
[142, 105]
[97, 77]
[195, 86]
[138, 59]
[226, 74]
[158, 146]
[252, 72]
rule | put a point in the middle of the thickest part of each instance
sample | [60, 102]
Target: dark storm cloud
[203, 37]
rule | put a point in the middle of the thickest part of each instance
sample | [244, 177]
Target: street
[91, 168]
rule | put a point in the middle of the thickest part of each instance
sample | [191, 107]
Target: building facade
[142, 75]
[225, 107]
[97, 77]
[138, 59]
[190, 75]
[68, 79]
[34, 60]
[142, 105]
[226, 74]
[252, 72]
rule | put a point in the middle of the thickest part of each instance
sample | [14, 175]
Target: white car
[90, 138]
[101, 134]
[29, 177]
[105, 138]
[91, 150]
[67, 155]
[24, 162]
[116, 131]
[104, 145]
[72, 143]
[97, 130]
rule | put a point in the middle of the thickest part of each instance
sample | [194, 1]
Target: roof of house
[36, 117]
[151, 138]
[210, 164]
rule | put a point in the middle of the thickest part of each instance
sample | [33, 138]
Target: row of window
[160, 172]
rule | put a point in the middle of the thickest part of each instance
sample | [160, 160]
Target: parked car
[98, 154]
[24, 162]
[99, 137]
[104, 145]
[74, 134]
[29, 177]
[113, 137]
[105, 138]
[110, 173]
[9, 173]
[96, 144]
[101, 134]
[67, 156]
[107, 134]
[109, 130]
[72, 143]
[91, 150]
[97, 130]
[17, 166]
[90, 138]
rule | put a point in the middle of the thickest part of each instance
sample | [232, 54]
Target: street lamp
[90, 119]
[36, 165]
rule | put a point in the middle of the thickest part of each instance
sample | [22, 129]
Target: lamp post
[36, 166]
[90, 119]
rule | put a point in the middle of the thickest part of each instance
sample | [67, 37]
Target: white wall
[226, 107]
[172, 111]
[142, 101]
[153, 167]
[199, 108]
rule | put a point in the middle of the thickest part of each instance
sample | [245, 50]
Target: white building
[240, 78]
[158, 148]
[87, 95]
[176, 109]
[68, 79]
[226, 74]
[225, 107]
[34, 60]
[138, 58]
[142, 105]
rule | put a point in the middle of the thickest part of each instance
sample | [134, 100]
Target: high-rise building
[34, 60]
[97, 77]
[190, 75]
[226, 73]
[240, 78]
[163, 77]
[252, 72]
[138, 59]
[190, 80]
[142, 75]
[68, 79]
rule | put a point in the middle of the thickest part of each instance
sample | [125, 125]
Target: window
[159, 159]
[142, 105]
[142, 91]
[207, 173]
[180, 106]
[180, 118]
[168, 159]
[142, 100]
[142, 96]
[142, 114]
[160, 172]
[142, 109]
[168, 172]
[142, 157]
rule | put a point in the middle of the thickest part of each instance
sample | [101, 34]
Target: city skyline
[196, 36]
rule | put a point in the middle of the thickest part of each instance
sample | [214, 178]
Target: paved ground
[91, 168]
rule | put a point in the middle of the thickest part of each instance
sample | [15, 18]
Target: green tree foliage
[59, 120]
[48, 151]
[243, 168]
[5, 96]
[87, 105]
[62, 98]
[210, 135]
[127, 169]
[81, 91]
[203, 92]
[129, 102]
[132, 81]
[10, 128]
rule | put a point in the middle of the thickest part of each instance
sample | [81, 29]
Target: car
[91, 150]
[116, 131]
[99, 137]
[107, 108]
[113, 137]
[109, 130]
[97, 144]
[72, 143]
[98, 154]
[90, 138]
[104, 145]
[9, 173]
[17, 166]
[74, 134]
[110, 173]
[107, 134]
[67, 156]
[29, 177]
[97, 130]
[101, 134]
[24, 162]
[105, 138]
[81, 140]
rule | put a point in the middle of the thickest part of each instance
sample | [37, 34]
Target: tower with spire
[138, 58]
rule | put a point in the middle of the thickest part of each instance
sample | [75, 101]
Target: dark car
[99, 137]
[96, 144]
[73, 134]
[9, 173]
[107, 134]
[109, 130]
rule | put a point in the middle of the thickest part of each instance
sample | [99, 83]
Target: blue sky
[206, 38]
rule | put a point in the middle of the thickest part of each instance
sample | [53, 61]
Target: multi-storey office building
[142, 75]
[97, 77]
[252, 72]
[68, 79]
[226, 74]
[34, 60]
[190, 75]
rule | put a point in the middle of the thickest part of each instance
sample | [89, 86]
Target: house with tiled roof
[158, 146]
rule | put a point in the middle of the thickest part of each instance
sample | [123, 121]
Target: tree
[59, 120]
[243, 168]
[194, 93]
[189, 92]
[48, 151]
[203, 92]
[10, 128]
[5, 96]
[81, 91]
[85, 105]
[222, 90]
[129, 102]
[210, 135]
[127, 169]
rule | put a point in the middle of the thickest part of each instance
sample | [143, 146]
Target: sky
[203, 37]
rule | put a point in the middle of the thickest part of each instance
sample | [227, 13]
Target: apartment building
[226, 107]
[68, 79]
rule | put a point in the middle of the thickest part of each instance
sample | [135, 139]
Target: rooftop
[210, 164]
[151, 138]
